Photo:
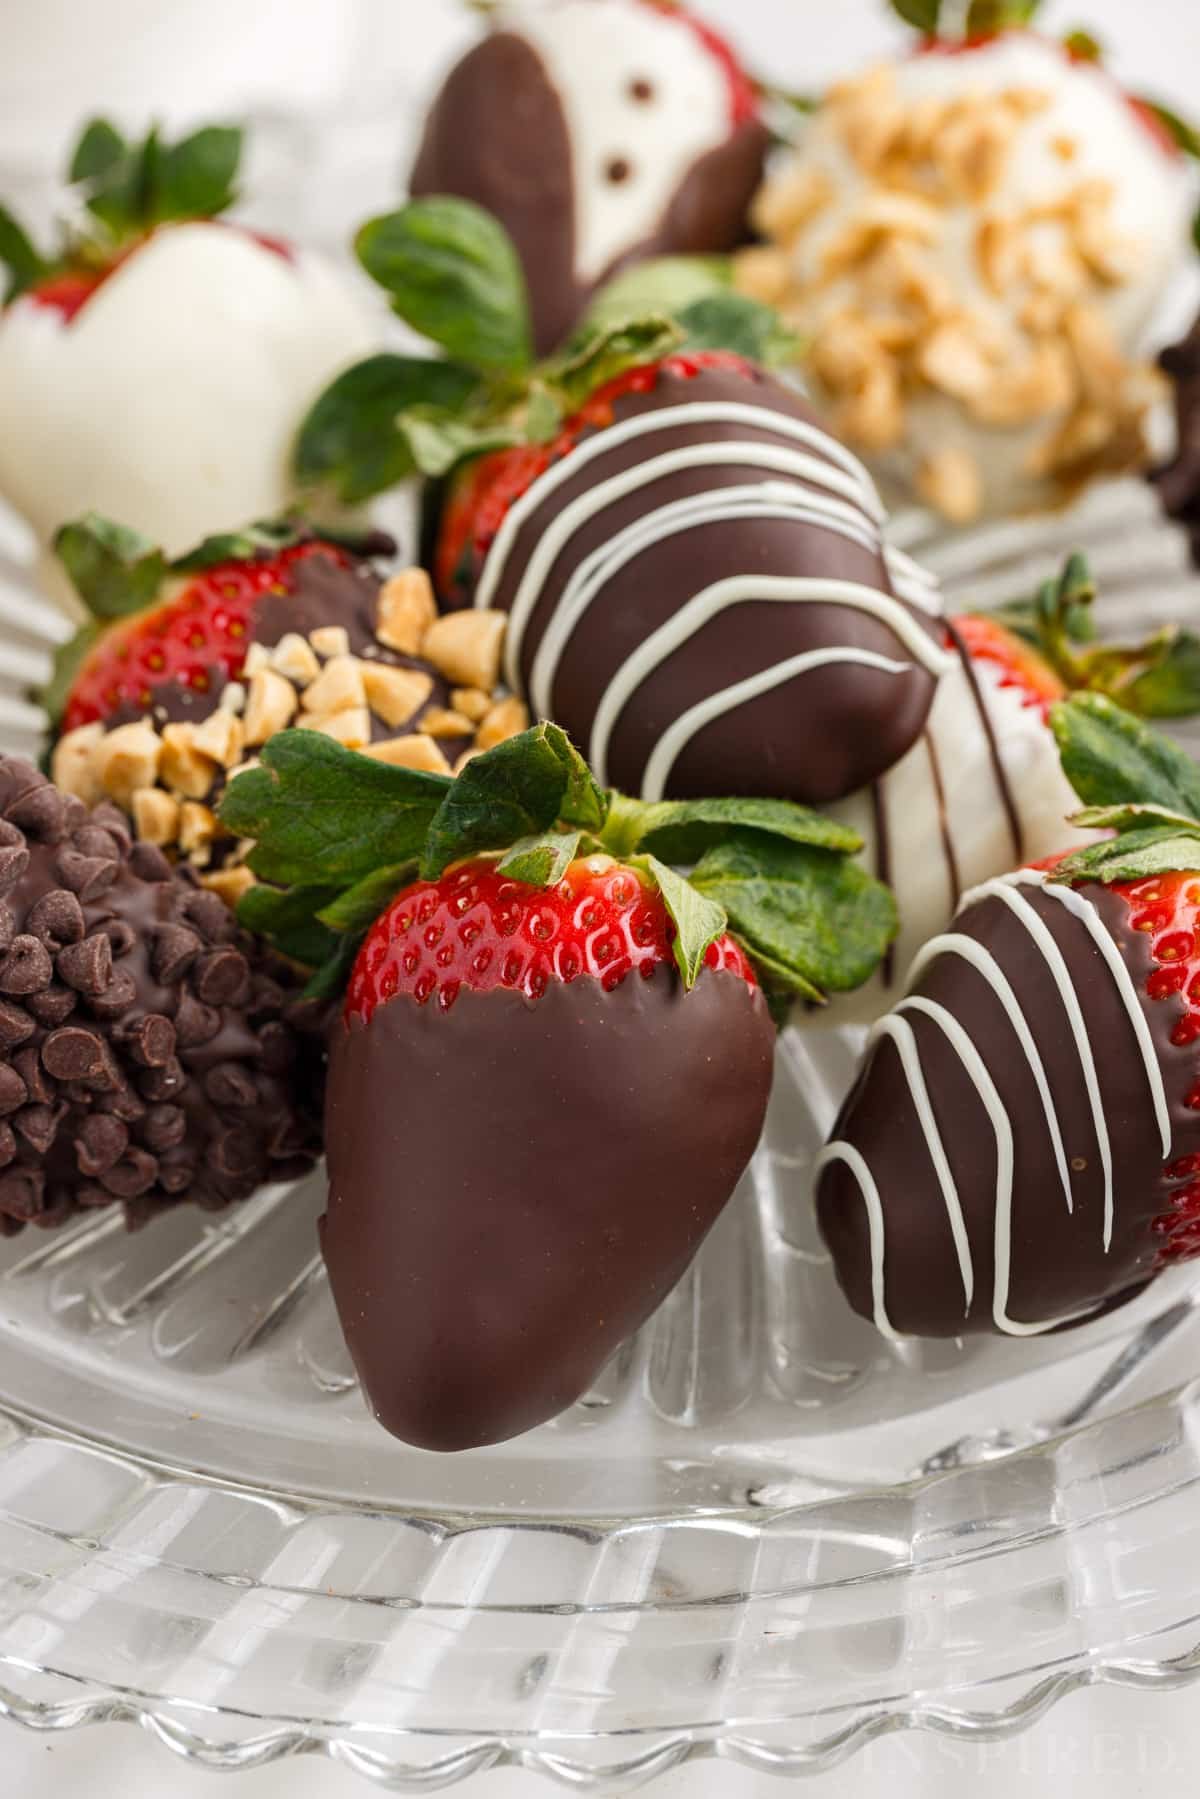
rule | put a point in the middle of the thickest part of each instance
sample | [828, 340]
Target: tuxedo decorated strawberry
[1022, 1145]
[555, 1052]
[598, 132]
[983, 788]
[155, 363]
[151, 1053]
[695, 574]
[189, 667]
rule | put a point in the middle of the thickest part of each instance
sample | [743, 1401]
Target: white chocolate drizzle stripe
[955, 943]
[778, 500]
[675, 739]
[1094, 925]
[856, 1163]
[739, 590]
[587, 506]
[1005, 890]
[904, 1037]
[854, 480]
[912, 582]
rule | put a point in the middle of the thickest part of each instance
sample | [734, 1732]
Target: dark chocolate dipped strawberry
[1178, 481]
[149, 1048]
[599, 132]
[1022, 1144]
[189, 667]
[156, 359]
[555, 1052]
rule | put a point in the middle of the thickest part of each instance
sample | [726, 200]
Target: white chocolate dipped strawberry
[156, 365]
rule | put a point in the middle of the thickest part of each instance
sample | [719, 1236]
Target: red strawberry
[195, 638]
[484, 490]
[531, 1128]
[743, 91]
[985, 639]
[1022, 1146]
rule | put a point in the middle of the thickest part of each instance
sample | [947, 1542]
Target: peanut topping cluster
[168, 776]
[934, 284]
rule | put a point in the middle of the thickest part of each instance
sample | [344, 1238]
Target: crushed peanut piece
[418, 751]
[258, 657]
[395, 694]
[270, 706]
[155, 815]
[405, 610]
[295, 659]
[183, 768]
[351, 726]
[439, 722]
[219, 736]
[466, 647]
[233, 697]
[197, 827]
[229, 883]
[506, 720]
[951, 481]
[128, 758]
[330, 640]
[73, 764]
[471, 702]
[338, 688]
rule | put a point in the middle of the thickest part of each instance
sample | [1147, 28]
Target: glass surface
[767, 1531]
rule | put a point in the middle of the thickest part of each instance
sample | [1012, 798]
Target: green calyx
[781, 879]
[979, 19]
[1136, 784]
[125, 191]
[452, 273]
[1158, 678]
[117, 573]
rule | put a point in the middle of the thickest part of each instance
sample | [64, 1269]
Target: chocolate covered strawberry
[983, 789]
[189, 667]
[155, 362]
[599, 132]
[554, 1055]
[1022, 1144]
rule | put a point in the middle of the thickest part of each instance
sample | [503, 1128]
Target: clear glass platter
[767, 1535]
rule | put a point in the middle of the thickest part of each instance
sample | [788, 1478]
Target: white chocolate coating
[171, 400]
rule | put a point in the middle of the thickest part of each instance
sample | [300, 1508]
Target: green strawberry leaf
[352, 439]
[357, 908]
[817, 915]
[199, 174]
[520, 789]
[329, 981]
[987, 16]
[68, 660]
[593, 358]
[99, 151]
[1112, 759]
[1182, 132]
[436, 440]
[115, 571]
[698, 920]
[922, 15]
[1083, 46]
[780, 982]
[20, 256]
[1169, 686]
[681, 831]
[665, 285]
[734, 322]
[1129, 818]
[454, 276]
[290, 919]
[542, 860]
[1133, 856]
[314, 806]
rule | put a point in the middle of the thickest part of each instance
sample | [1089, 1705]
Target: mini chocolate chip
[25, 967]
[117, 997]
[88, 876]
[162, 1083]
[87, 966]
[16, 1026]
[276, 1047]
[76, 811]
[27, 1063]
[56, 918]
[8, 926]
[14, 860]
[39, 1125]
[290, 1137]
[151, 1040]
[195, 1023]
[90, 1193]
[617, 170]
[122, 936]
[221, 978]
[13, 1091]
[164, 1127]
[75, 1054]
[92, 840]
[134, 1174]
[642, 89]
[211, 916]
[52, 1006]
[266, 999]
[236, 1155]
[41, 812]
[8, 1145]
[175, 949]
[114, 821]
[176, 1173]
[21, 1192]
[122, 1102]
[148, 863]
[18, 776]
[100, 1141]
[228, 1084]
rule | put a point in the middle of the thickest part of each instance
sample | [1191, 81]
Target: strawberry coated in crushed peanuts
[476, 928]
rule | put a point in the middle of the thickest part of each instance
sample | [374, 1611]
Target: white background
[342, 75]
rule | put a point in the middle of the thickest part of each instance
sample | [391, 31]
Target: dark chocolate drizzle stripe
[1007, 798]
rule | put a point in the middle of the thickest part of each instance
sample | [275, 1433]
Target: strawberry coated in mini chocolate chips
[1022, 1145]
[554, 1054]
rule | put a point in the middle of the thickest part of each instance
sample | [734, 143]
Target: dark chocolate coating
[514, 1186]
[1059, 1265]
[149, 1050]
[1179, 481]
[813, 739]
[497, 134]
